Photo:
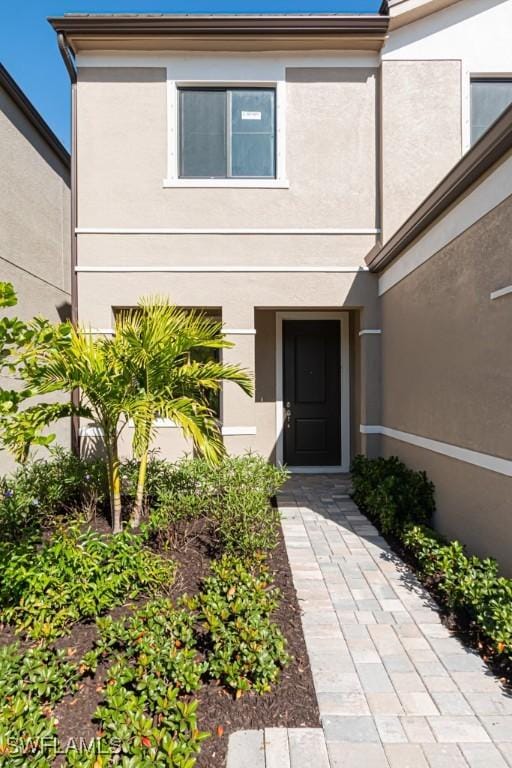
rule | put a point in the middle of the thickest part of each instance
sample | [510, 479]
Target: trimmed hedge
[392, 494]
[401, 502]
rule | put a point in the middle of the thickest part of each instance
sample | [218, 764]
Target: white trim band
[206, 268]
[235, 431]
[225, 331]
[226, 183]
[158, 423]
[482, 460]
[224, 231]
[501, 292]
[91, 432]
[370, 332]
[169, 424]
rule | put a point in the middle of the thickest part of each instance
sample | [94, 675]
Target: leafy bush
[40, 491]
[75, 576]
[235, 495]
[391, 493]
[147, 732]
[64, 482]
[466, 583]
[32, 682]
[246, 522]
[160, 644]
[401, 502]
[245, 650]
[156, 661]
[180, 492]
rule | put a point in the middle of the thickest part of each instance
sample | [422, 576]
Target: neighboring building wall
[34, 226]
[447, 364]
[425, 96]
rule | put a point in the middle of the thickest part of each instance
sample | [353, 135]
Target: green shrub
[180, 492]
[155, 662]
[402, 502]
[246, 522]
[235, 495]
[41, 491]
[244, 649]
[32, 682]
[466, 583]
[392, 494]
[160, 645]
[146, 733]
[64, 482]
[75, 576]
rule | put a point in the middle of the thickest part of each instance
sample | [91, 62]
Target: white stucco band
[483, 460]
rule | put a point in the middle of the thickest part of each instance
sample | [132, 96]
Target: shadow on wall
[438, 22]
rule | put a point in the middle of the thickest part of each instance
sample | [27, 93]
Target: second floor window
[489, 98]
[227, 133]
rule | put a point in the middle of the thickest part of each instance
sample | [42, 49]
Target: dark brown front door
[312, 400]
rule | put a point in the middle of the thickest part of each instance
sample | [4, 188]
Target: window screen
[489, 98]
[227, 133]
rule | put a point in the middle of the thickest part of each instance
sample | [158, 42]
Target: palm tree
[107, 394]
[158, 346]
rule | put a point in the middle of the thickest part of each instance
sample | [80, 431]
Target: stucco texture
[447, 373]
[34, 228]
[421, 133]
[331, 147]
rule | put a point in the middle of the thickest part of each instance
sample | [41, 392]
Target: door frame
[343, 319]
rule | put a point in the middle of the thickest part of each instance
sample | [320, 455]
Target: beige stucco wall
[447, 372]
[331, 148]
[34, 226]
[247, 301]
[331, 143]
[421, 136]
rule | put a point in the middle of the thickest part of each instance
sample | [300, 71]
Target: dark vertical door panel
[312, 395]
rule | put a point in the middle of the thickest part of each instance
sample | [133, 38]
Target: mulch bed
[291, 704]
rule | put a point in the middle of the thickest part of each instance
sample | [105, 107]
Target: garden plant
[401, 502]
[152, 659]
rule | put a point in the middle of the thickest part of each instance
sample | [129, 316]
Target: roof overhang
[402, 12]
[229, 32]
[15, 93]
[492, 148]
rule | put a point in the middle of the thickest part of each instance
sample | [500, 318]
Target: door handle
[288, 413]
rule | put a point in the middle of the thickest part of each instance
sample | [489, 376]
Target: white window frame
[467, 77]
[173, 179]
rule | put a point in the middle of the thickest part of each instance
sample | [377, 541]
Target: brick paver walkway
[394, 687]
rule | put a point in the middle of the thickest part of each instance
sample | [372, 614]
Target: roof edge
[132, 25]
[487, 151]
[33, 116]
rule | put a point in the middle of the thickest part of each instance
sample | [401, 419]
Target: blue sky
[28, 48]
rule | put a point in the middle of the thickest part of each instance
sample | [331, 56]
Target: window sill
[227, 183]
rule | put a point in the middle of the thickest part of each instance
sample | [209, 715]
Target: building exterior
[34, 216]
[256, 167]
[445, 289]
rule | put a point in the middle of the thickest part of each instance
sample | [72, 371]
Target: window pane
[488, 100]
[203, 134]
[253, 133]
